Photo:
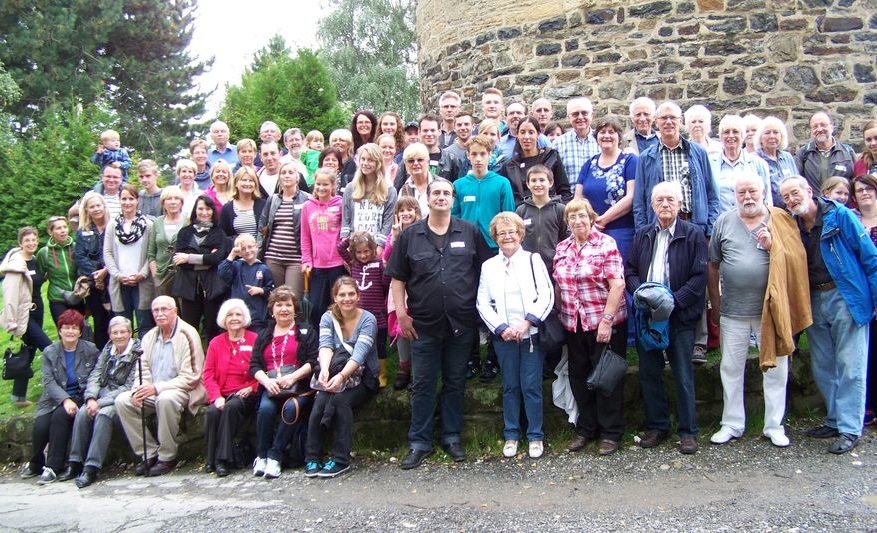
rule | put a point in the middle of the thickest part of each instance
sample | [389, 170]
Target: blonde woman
[368, 200]
[186, 170]
[342, 141]
[88, 254]
[241, 214]
[220, 184]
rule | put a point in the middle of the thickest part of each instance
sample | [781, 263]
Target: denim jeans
[272, 434]
[839, 359]
[131, 305]
[521, 364]
[429, 357]
[651, 378]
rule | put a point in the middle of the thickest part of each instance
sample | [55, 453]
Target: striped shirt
[244, 221]
[282, 243]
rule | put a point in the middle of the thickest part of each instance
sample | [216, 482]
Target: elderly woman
[527, 154]
[280, 228]
[773, 139]
[55, 264]
[67, 364]
[163, 240]
[126, 247]
[241, 214]
[88, 254]
[699, 123]
[23, 302]
[734, 161]
[364, 128]
[186, 170]
[342, 141]
[416, 159]
[515, 295]
[200, 247]
[867, 162]
[606, 181]
[231, 390]
[113, 374]
[589, 274]
[198, 148]
[220, 184]
[347, 378]
[284, 356]
[865, 196]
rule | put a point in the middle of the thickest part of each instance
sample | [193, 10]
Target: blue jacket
[238, 274]
[650, 172]
[851, 258]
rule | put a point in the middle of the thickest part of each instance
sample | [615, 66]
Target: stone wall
[782, 57]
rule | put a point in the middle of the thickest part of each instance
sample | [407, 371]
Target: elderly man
[542, 111]
[449, 105]
[824, 156]
[172, 362]
[641, 136]
[671, 252]
[757, 253]
[221, 147]
[842, 272]
[734, 161]
[437, 261]
[577, 146]
[678, 160]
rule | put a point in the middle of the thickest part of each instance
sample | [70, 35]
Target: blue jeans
[131, 305]
[839, 359]
[651, 378]
[270, 443]
[521, 364]
[429, 357]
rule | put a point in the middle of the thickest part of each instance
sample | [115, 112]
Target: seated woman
[67, 364]
[231, 390]
[283, 360]
[348, 378]
[114, 373]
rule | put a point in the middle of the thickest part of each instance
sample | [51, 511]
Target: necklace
[282, 353]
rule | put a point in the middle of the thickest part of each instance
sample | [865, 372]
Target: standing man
[449, 104]
[752, 248]
[577, 146]
[457, 158]
[842, 272]
[109, 187]
[269, 174]
[543, 112]
[172, 362]
[221, 147]
[491, 106]
[437, 263]
[514, 113]
[824, 156]
[671, 252]
[641, 136]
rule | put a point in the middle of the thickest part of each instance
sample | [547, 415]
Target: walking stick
[139, 354]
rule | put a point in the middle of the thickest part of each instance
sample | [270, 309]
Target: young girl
[249, 278]
[311, 157]
[360, 252]
[836, 188]
[490, 128]
[368, 199]
[407, 213]
[388, 150]
[320, 227]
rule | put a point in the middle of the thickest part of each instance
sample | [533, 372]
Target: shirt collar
[671, 229]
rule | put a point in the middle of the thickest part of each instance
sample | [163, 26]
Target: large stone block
[650, 10]
[830, 24]
[764, 79]
[801, 78]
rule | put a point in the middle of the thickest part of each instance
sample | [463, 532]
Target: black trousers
[100, 316]
[599, 416]
[193, 311]
[342, 422]
[220, 427]
[54, 429]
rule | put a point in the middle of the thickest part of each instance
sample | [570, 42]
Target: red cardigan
[225, 372]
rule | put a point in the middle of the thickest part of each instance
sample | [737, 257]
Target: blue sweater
[479, 200]
[238, 274]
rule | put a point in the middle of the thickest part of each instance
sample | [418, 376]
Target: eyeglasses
[415, 160]
[669, 118]
[860, 190]
[162, 310]
[504, 234]
[577, 114]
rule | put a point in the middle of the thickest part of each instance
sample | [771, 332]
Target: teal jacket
[479, 200]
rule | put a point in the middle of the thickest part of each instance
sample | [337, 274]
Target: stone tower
[782, 57]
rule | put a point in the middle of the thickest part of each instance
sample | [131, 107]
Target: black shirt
[816, 271]
[441, 283]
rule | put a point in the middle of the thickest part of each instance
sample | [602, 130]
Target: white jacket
[538, 297]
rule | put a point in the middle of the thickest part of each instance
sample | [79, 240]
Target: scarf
[138, 226]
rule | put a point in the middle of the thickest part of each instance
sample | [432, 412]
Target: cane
[139, 354]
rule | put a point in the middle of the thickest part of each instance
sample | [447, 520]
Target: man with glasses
[577, 146]
[642, 135]
[449, 105]
[172, 361]
[681, 161]
[824, 156]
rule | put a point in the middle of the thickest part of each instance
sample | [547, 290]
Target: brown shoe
[608, 447]
[578, 442]
[652, 438]
[688, 444]
[162, 467]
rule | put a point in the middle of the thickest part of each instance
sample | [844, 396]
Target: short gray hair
[672, 187]
[643, 100]
[120, 321]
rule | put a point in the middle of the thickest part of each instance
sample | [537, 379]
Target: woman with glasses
[416, 159]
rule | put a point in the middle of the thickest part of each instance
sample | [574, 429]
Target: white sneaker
[259, 466]
[272, 469]
[510, 449]
[723, 436]
[777, 437]
[536, 449]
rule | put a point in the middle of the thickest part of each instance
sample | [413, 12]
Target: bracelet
[608, 318]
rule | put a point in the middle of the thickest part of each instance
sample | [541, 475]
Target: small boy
[250, 279]
[109, 152]
[150, 195]
[311, 158]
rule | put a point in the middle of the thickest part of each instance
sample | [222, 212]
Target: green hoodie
[55, 262]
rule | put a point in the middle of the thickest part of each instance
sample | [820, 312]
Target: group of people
[433, 234]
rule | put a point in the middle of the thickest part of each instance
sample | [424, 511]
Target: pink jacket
[320, 233]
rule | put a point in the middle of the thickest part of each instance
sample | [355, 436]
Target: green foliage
[369, 45]
[294, 92]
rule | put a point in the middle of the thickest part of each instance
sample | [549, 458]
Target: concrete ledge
[383, 423]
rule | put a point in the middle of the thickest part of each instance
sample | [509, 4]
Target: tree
[369, 46]
[290, 91]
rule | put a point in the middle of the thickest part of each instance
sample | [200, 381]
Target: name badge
[246, 348]
[304, 331]
[332, 208]
[787, 172]
[458, 244]
[528, 221]
[31, 272]
[259, 275]
[170, 226]
[297, 206]
[841, 168]
[87, 233]
[469, 198]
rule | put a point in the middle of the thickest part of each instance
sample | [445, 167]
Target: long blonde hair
[381, 191]
[85, 220]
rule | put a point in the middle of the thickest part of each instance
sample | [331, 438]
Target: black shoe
[488, 373]
[209, 468]
[844, 443]
[72, 472]
[87, 477]
[456, 451]
[143, 468]
[403, 377]
[474, 369]
[414, 458]
[221, 469]
[822, 432]
[162, 467]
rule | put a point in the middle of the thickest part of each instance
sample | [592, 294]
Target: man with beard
[743, 255]
[842, 273]
[824, 156]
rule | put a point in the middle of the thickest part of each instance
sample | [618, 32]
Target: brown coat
[786, 309]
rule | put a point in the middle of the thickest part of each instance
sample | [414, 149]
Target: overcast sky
[232, 32]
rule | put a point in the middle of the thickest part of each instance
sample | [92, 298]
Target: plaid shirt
[674, 163]
[580, 274]
[575, 152]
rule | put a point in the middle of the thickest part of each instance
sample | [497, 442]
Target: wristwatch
[608, 318]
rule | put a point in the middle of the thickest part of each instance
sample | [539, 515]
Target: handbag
[551, 333]
[607, 373]
[17, 364]
[339, 360]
